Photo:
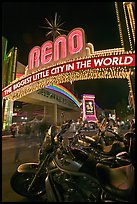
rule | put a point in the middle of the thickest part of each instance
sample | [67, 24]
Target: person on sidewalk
[17, 147]
[13, 130]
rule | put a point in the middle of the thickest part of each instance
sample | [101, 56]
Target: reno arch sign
[63, 60]
[62, 48]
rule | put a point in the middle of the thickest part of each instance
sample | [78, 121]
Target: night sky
[21, 26]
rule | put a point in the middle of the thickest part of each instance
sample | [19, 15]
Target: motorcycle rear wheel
[21, 181]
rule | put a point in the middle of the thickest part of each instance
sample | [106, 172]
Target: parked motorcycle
[99, 142]
[29, 178]
[66, 174]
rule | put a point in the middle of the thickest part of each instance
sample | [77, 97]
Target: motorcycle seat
[110, 150]
[118, 181]
[113, 149]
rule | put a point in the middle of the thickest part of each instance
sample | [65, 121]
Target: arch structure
[67, 59]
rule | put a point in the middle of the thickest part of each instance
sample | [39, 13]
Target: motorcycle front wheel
[21, 181]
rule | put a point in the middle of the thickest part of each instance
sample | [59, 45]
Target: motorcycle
[29, 178]
[99, 143]
[67, 174]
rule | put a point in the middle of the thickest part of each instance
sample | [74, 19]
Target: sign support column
[55, 114]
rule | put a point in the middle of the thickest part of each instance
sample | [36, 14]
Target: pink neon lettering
[60, 51]
[46, 52]
[34, 58]
[62, 46]
[75, 40]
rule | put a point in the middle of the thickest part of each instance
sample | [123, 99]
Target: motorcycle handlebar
[63, 129]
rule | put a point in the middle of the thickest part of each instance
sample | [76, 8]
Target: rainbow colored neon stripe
[18, 75]
[61, 89]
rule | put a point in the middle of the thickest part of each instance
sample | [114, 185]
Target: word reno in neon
[61, 48]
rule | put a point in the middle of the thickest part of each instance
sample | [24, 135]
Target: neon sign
[91, 63]
[68, 58]
[63, 47]
[89, 110]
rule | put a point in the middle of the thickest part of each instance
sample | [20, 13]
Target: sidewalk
[8, 142]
